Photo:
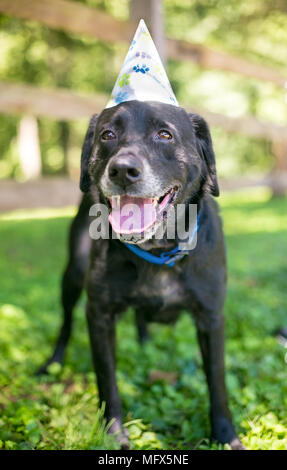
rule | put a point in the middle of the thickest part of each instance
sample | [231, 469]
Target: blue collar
[167, 257]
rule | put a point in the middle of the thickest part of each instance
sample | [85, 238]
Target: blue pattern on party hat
[142, 76]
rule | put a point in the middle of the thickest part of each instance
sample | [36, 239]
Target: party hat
[142, 76]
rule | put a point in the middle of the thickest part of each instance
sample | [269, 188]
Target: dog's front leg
[211, 341]
[102, 338]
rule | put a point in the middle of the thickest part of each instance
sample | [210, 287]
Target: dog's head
[151, 155]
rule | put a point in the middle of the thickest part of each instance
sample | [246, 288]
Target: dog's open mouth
[135, 215]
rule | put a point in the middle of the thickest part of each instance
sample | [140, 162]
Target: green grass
[61, 411]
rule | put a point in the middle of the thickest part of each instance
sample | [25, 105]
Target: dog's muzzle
[136, 215]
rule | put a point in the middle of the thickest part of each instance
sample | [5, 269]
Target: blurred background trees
[255, 31]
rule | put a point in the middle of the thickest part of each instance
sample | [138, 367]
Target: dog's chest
[159, 293]
[163, 283]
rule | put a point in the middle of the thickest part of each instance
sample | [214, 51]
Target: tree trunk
[151, 11]
[29, 148]
[65, 139]
[278, 179]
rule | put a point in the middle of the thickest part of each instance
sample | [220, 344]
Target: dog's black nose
[125, 170]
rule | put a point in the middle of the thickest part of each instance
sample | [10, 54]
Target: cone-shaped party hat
[142, 76]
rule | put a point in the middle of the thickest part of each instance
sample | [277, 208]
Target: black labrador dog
[152, 152]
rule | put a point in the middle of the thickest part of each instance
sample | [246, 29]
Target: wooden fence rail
[66, 105]
[58, 104]
[81, 19]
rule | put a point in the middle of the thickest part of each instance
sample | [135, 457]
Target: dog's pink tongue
[131, 214]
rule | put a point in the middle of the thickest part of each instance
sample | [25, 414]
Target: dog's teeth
[115, 201]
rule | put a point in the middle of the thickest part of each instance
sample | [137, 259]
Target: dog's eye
[164, 135]
[108, 135]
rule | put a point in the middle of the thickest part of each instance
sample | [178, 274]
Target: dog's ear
[85, 180]
[205, 149]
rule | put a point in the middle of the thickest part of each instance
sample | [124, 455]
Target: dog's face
[149, 155]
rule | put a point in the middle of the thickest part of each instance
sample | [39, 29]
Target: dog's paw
[224, 433]
[236, 444]
[121, 435]
[41, 371]
[49, 368]
[281, 336]
[123, 439]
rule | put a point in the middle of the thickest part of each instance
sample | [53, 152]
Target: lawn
[61, 411]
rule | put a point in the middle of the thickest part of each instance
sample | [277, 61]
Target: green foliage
[36, 55]
[252, 29]
[61, 411]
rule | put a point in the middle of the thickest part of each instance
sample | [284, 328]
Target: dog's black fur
[117, 278]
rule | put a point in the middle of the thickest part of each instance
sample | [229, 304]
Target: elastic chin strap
[167, 257]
